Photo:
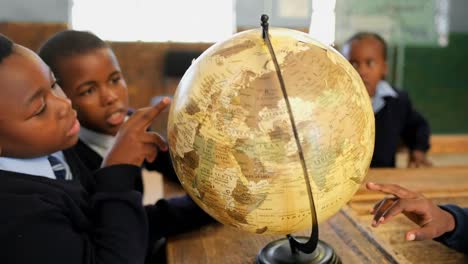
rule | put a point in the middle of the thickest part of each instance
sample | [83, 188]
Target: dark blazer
[168, 216]
[398, 122]
[162, 163]
[92, 160]
[94, 218]
[458, 238]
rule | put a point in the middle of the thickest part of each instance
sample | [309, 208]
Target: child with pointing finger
[54, 210]
[90, 75]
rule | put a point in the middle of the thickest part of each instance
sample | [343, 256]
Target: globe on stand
[272, 132]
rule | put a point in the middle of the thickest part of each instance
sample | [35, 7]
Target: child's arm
[447, 224]
[416, 135]
[125, 226]
[173, 216]
[44, 221]
[120, 232]
[163, 165]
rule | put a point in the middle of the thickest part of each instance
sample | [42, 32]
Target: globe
[231, 138]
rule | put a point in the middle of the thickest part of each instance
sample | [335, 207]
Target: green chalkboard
[436, 79]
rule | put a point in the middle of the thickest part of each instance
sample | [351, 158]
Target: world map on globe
[231, 139]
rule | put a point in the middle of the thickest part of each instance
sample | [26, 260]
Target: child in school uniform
[90, 75]
[54, 210]
[395, 117]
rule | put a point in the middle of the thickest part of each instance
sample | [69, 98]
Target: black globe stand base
[279, 252]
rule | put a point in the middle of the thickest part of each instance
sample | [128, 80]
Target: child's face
[36, 118]
[366, 56]
[97, 89]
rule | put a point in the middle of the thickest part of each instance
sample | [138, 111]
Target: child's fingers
[424, 233]
[414, 209]
[385, 210]
[376, 206]
[427, 163]
[381, 204]
[155, 139]
[151, 152]
[143, 117]
[412, 164]
[391, 189]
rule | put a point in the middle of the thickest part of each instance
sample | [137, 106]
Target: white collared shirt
[98, 142]
[101, 143]
[36, 166]
[382, 90]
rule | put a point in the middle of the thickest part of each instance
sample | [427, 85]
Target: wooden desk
[446, 150]
[437, 159]
[455, 143]
[348, 232]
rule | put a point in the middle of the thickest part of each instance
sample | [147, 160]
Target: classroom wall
[55, 11]
[142, 63]
[436, 77]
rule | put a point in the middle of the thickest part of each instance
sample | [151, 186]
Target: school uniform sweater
[458, 238]
[94, 218]
[398, 121]
[180, 214]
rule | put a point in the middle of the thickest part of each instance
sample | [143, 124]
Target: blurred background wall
[436, 77]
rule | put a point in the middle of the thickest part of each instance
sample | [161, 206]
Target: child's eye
[115, 79]
[40, 110]
[371, 63]
[87, 91]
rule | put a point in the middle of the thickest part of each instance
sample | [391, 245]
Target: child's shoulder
[402, 96]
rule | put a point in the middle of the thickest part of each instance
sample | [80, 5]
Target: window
[156, 20]
[322, 23]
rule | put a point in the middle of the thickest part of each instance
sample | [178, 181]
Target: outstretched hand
[433, 220]
[134, 143]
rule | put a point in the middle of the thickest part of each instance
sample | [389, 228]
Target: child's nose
[362, 70]
[109, 96]
[65, 106]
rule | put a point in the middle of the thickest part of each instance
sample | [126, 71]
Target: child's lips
[74, 129]
[116, 118]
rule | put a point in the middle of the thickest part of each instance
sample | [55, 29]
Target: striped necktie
[58, 167]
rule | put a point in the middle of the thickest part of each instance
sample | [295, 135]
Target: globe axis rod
[311, 244]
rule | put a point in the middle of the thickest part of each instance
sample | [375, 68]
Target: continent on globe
[231, 139]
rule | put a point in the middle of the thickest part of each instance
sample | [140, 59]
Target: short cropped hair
[364, 35]
[6, 47]
[68, 43]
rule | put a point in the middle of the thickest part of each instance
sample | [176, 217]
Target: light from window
[156, 20]
[322, 23]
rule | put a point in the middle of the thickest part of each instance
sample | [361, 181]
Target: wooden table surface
[348, 232]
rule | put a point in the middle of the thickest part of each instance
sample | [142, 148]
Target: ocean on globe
[231, 139]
